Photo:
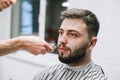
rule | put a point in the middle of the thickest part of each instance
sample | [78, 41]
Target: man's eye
[73, 35]
[60, 32]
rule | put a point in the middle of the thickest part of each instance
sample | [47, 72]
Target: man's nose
[62, 39]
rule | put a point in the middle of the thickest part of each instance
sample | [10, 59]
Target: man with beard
[77, 37]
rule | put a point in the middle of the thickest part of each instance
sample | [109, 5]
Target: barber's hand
[33, 44]
[6, 3]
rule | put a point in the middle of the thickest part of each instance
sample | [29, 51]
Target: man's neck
[81, 62]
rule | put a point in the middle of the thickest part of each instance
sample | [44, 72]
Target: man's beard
[75, 56]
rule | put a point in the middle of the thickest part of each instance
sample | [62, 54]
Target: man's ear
[92, 43]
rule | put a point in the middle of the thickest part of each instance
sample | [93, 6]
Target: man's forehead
[73, 25]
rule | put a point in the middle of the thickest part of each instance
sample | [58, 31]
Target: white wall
[106, 52]
[5, 23]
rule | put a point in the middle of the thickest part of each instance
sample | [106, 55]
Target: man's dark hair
[87, 16]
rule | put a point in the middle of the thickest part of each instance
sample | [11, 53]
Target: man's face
[72, 41]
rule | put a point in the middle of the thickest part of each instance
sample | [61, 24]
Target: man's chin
[65, 59]
[64, 55]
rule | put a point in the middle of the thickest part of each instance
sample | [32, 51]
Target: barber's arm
[6, 3]
[31, 44]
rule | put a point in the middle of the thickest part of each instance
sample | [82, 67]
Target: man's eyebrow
[74, 31]
[71, 31]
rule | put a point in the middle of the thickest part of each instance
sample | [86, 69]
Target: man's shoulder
[98, 67]
[98, 72]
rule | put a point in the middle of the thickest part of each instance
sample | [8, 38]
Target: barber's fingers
[39, 48]
[36, 51]
[6, 3]
[2, 5]
[48, 47]
[9, 2]
[1, 8]
[13, 1]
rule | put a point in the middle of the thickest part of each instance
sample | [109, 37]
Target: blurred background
[41, 18]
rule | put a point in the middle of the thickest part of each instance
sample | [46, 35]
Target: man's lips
[61, 49]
